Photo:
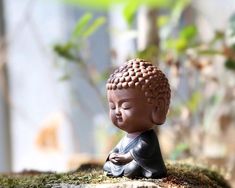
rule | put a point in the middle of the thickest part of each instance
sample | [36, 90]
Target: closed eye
[112, 106]
[126, 105]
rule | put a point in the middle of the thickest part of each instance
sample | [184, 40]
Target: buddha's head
[138, 95]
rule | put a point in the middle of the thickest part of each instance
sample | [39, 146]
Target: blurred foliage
[83, 29]
[186, 57]
[194, 101]
[185, 40]
[105, 4]
[179, 150]
[230, 64]
[130, 7]
[73, 50]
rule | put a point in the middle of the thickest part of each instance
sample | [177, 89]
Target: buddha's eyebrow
[126, 100]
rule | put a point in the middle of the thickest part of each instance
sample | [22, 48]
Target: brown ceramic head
[138, 95]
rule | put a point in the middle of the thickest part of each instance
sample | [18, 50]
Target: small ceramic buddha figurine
[138, 96]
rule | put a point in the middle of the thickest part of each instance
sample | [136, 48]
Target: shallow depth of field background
[55, 58]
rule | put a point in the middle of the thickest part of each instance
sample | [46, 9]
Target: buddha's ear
[159, 111]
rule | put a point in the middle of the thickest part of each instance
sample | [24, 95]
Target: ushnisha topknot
[139, 73]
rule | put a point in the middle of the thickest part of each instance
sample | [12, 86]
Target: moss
[180, 175]
[194, 176]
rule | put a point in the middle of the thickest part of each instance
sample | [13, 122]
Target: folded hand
[120, 159]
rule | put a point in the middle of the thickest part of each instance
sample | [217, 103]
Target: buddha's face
[129, 110]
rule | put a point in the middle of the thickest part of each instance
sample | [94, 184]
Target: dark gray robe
[147, 158]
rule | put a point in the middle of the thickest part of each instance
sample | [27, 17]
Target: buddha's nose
[117, 112]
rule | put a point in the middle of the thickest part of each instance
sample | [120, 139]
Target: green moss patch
[180, 175]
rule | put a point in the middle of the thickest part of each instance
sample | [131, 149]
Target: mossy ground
[179, 175]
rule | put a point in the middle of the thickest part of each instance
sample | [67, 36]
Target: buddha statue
[138, 96]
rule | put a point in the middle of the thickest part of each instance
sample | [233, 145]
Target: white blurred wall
[212, 15]
[38, 101]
